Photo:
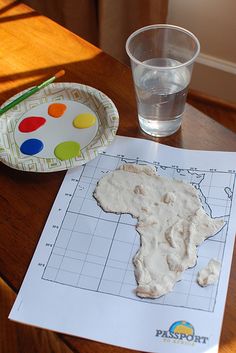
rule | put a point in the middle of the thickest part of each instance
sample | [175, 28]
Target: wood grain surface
[32, 48]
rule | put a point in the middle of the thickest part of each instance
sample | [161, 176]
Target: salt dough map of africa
[81, 280]
[171, 223]
[94, 249]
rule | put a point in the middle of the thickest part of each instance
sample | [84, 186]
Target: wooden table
[32, 48]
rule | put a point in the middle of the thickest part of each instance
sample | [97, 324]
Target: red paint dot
[31, 123]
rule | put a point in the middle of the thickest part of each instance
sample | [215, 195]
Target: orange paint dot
[56, 110]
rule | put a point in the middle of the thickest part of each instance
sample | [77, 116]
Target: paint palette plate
[60, 127]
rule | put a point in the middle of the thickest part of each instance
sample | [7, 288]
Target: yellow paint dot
[84, 120]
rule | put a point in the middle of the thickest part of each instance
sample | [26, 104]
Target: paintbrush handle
[46, 83]
[26, 95]
[19, 99]
[30, 92]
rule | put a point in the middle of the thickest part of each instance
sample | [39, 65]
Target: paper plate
[34, 139]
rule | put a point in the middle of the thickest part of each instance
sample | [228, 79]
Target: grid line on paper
[100, 281]
[94, 249]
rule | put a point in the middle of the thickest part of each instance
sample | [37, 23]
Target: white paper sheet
[81, 277]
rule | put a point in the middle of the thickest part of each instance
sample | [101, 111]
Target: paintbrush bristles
[59, 73]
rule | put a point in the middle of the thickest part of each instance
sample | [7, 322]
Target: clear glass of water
[162, 58]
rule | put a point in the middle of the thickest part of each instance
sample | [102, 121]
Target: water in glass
[161, 95]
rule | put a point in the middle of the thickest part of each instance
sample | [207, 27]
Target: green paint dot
[67, 150]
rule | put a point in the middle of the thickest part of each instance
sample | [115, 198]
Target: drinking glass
[162, 58]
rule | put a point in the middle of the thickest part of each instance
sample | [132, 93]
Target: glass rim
[159, 26]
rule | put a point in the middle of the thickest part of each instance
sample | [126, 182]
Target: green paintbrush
[30, 92]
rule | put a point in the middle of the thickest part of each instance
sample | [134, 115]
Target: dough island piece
[209, 274]
[171, 223]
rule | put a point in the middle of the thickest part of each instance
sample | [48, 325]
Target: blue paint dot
[31, 147]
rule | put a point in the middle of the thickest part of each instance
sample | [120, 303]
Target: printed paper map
[81, 278]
